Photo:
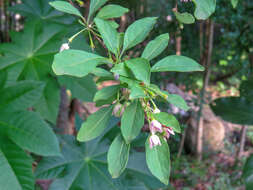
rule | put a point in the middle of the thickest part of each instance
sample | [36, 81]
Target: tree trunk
[242, 141]
[199, 140]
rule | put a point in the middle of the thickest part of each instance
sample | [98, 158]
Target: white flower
[155, 126]
[154, 141]
[64, 46]
[156, 110]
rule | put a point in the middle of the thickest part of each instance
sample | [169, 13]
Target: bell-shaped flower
[168, 131]
[155, 126]
[154, 141]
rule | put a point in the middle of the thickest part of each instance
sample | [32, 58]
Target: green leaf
[234, 3]
[85, 167]
[17, 167]
[32, 61]
[136, 90]
[118, 156]
[177, 101]
[113, 24]
[3, 78]
[111, 11]
[168, 120]
[158, 160]
[177, 63]
[95, 124]
[101, 72]
[140, 68]
[94, 6]
[82, 88]
[138, 31]
[109, 35]
[29, 131]
[40, 10]
[185, 18]
[20, 96]
[106, 95]
[246, 89]
[156, 47]
[204, 9]
[122, 70]
[76, 63]
[237, 110]
[248, 173]
[132, 121]
[65, 7]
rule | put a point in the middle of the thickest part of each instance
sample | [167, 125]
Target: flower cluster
[156, 127]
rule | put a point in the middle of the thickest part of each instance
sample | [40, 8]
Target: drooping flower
[155, 126]
[154, 141]
[168, 131]
[64, 46]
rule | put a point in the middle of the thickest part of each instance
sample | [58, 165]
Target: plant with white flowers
[134, 93]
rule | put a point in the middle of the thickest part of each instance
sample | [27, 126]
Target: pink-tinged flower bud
[168, 131]
[154, 141]
[155, 126]
[64, 46]
[156, 110]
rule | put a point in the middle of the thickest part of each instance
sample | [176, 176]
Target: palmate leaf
[28, 130]
[20, 96]
[29, 57]
[16, 167]
[84, 166]
[41, 10]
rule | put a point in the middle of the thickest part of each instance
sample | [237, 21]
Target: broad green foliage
[177, 63]
[40, 10]
[185, 18]
[76, 63]
[16, 167]
[94, 6]
[111, 11]
[168, 120]
[137, 32]
[109, 35]
[248, 173]
[84, 166]
[140, 68]
[237, 110]
[65, 7]
[134, 93]
[118, 156]
[132, 121]
[32, 62]
[82, 88]
[95, 124]
[177, 101]
[29, 131]
[107, 95]
[204, 9]
[155, 47]
[158, 160]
